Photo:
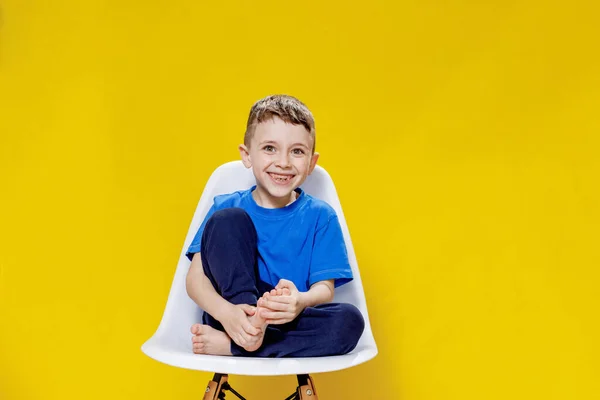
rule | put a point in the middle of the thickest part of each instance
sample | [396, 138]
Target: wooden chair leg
[306, 388]
[215, 387]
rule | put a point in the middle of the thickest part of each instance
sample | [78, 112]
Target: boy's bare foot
[258, 322]
[208, 340]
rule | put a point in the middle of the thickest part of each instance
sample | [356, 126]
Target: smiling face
[280, 155]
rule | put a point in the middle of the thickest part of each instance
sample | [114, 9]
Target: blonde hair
[288, 108]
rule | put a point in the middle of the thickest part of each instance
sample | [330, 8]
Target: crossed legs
[229, 252]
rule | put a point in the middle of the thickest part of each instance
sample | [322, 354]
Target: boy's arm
[233, 317]
[280, 309]
[319, 293]
[202, 291]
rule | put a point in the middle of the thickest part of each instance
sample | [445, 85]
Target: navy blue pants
[229, 257]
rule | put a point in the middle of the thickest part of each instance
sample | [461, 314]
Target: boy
[277, 240]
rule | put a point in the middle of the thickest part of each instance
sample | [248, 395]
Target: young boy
[277, 240]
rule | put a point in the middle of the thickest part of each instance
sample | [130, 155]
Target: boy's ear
[245, 156]
[313, 163]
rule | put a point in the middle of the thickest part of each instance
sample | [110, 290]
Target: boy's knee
[352, 326]
[231, 215]
[230, 220]
[354, 320]
[229, 224]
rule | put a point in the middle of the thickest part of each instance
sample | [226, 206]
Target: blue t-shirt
[301, 242]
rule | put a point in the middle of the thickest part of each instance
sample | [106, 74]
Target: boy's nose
[283, 161]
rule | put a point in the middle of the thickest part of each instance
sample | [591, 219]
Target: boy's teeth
[281, 177]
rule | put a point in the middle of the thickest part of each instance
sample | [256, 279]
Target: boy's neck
[266, 201]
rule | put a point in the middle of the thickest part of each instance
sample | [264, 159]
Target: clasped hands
[245, 324]
[282, 304]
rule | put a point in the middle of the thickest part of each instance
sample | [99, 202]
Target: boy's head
[287, 108]
[279, 146]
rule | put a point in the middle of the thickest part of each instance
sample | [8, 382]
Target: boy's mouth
[278, 178]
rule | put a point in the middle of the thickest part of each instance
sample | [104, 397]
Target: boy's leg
[229, 250]
[324, 330]
[229, 258]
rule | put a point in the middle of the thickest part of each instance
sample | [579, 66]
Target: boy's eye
[269, 148]
[298, 151]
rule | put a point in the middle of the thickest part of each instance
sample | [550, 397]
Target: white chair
[171, 344]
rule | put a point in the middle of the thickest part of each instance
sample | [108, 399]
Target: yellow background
[462, 137]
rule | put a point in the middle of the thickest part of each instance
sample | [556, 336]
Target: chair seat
[180, 354]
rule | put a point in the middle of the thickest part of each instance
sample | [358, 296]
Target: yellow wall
[463, 139]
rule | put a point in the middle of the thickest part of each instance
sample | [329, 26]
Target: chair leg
[217, 386]
[214, 390]
[306, 388]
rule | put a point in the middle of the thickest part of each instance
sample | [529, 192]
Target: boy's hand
[237, 325]
[280, 309]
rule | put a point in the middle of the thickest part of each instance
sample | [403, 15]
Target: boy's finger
[281, 299]
[282, 283]
[274, 305]
[269, 314]
[247, 337]
[275, 315]
[251, 329]
[248, 309]
[240, 340]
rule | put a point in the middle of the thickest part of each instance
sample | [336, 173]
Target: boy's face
[280, 155]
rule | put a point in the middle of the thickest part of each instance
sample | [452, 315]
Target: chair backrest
[181, 312]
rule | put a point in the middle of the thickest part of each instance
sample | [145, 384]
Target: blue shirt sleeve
[330, 257]
[197, 242]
